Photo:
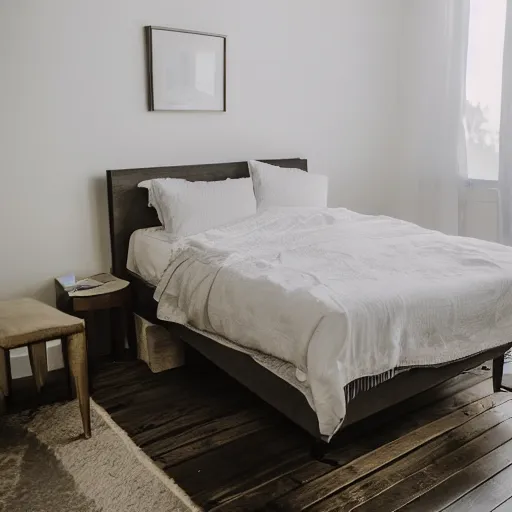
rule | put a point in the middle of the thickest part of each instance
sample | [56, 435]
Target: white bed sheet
[340, 295]
[148, 253]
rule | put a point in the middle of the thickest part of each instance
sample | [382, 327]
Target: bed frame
[128, 211]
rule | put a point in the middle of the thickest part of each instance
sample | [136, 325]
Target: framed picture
[186, 70]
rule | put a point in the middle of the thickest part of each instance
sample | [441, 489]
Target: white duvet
[341, 295]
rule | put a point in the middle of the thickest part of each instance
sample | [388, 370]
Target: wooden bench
[28, 322]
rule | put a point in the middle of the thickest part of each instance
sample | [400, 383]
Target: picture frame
[186, 70]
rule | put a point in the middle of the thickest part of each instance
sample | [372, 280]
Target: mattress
[148, 253]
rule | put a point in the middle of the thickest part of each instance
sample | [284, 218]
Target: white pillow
[151, 202]
[190, 207]
[278, 186]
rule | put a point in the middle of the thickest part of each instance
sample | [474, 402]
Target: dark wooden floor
[447, 449]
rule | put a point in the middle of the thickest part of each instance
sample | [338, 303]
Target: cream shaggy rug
[46, 465]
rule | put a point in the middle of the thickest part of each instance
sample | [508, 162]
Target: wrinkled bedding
[340, 295]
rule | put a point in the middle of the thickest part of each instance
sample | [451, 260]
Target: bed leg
[497, 372]
[319, 450]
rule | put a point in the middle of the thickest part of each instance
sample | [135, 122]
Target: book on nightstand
[86, 287]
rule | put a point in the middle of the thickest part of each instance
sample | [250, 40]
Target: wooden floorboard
[363, 438]
[488, 496]
[506, 506]
[462, 483]
[379, 481]
[449, 448]
[438, 471]
[350, 473]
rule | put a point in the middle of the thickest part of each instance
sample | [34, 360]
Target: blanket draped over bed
[341, 295]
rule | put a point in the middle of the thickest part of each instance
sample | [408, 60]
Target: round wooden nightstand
[115, 297]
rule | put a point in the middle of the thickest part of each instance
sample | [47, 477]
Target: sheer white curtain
[450, 206]
[505, 155]
[433, 85]
[483, 87]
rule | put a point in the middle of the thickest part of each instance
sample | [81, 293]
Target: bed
[129, 214]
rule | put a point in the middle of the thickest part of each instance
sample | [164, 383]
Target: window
[483, 87]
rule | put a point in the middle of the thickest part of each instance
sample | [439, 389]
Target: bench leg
[38, 363]
[5, 378]
[497, 372]
[77, 360]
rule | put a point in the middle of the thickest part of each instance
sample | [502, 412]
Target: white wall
[419, 55]
[311, 79]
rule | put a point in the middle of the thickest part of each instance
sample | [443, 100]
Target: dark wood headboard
[128, 205]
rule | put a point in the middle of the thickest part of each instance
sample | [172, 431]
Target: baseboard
[20, 364]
